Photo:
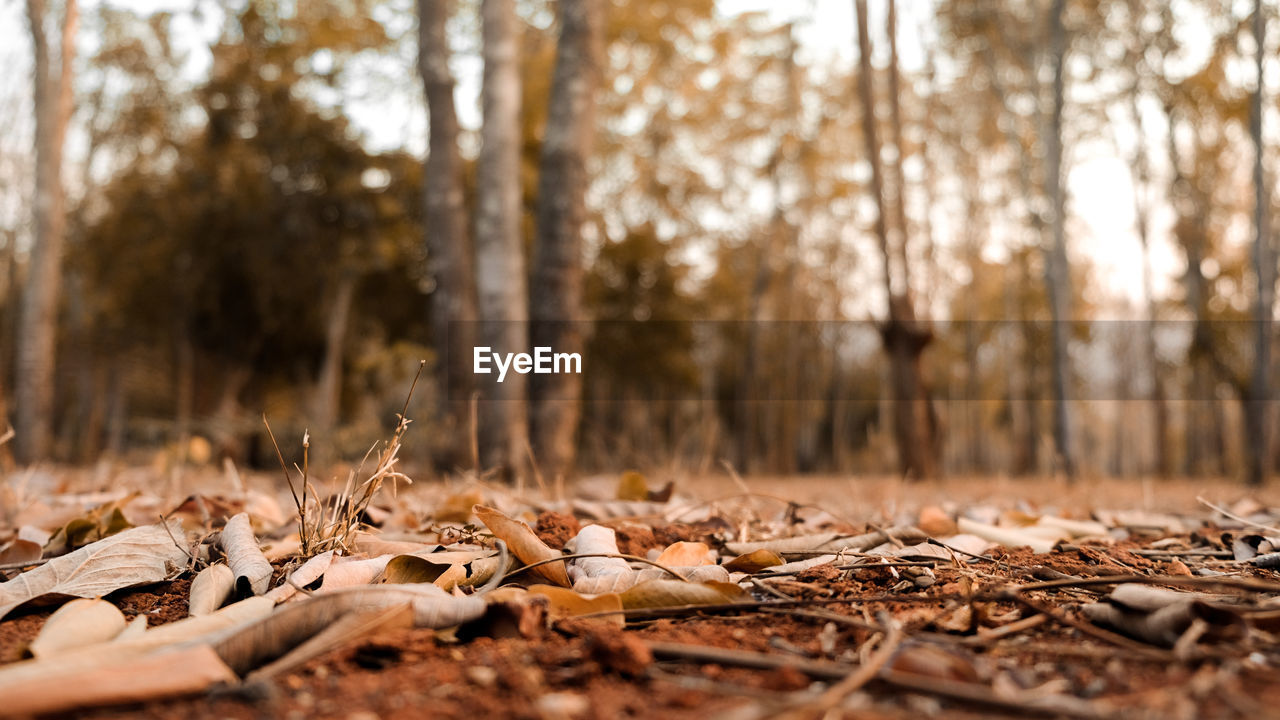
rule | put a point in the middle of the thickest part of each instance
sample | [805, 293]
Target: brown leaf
[21, 552]
[632, 486]
[524, 544]
[686, 554]
[674, 593]
[59, 687]
[754, 561]
[304, 576]
[567, 603]
[78, 623]
[355, 626]
[133, 557]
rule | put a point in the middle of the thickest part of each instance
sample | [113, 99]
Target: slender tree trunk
[449, 254]
[1257, 435]
[556, 309]
[500, 267]
[38, 323]
[329, 384]
[1057, 277]
[904, 337]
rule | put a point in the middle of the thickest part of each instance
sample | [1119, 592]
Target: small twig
[863, 674]
[1233, 583]
[1236, 517]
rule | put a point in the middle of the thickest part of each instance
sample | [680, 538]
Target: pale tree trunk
[329, 384]
[500, 267]
[556, 296]
[1257, 435]
[449, 256]
[38, 323]
[904, 337]
[1057, 278]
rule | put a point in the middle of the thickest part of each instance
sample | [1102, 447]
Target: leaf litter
[646, 604]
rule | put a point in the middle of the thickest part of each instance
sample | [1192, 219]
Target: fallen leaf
[59, 688]
[524, 544]
[754, 561]
[600, 540]
[346, 572]
[210, 589]
[618, 582]
[21, 552]
[354, 626]
[1010, 537]
[686, 554]
[132, 557]
[566, 603]
[304, 576]
[632, 486]
[675, 593]
[78, 623]
[252, 571]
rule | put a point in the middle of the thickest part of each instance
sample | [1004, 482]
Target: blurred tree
[450, 254]
[556, 311]
[905, 336]
[38, 324]
[500, 267]
[1257, 406]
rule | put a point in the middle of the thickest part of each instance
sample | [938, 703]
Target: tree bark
[1257, 435]
[329, 384]
[556, 295]
[904, 337]
[500, 267]
[449, 253]
[38, 323]
[1057, 278]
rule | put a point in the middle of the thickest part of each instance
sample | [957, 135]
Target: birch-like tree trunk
[500, 266]
[449, 254]
[1257, 435]
[1056, 275]
[555, 297]
[38, 322]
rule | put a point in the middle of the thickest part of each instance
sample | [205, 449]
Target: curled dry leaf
[210, 589]
[686, 554]
[60, 688]
[307, 574]
[350, 572]
[595, 539]
[249, 646]
[618, 582]
[675, 593]
[524, 544]
[132, 557]
[252, 571]
[1008, 537]
[754, 561]
[354, 626]
[78, 623]
[799, 543]
[565, 603]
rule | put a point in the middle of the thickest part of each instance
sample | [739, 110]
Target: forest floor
[868, 598]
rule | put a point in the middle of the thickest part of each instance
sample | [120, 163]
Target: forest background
[927, 238]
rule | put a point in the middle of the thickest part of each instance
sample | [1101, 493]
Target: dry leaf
[252, 571]
[306, 575]
[524, 544]
[595, 539]
[21, 552]
[618, 582]
[936, 521]
[249, 646]
[1009, 537]
[210, 589]
[754, 561]
[565, 603]
[60, 688]
[132, 557]
[674, 593]
[632, 486]
[686, 554]
[78, 623]
[349, 572]
[355, 626]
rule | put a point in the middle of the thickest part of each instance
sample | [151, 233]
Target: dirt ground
[580, 668]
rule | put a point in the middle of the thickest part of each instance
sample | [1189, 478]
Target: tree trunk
[904, 337]
[1257, 435]
[1057, 278]
[556, 295]
[449, 256]
[329, 384]
[38, 323]
[500, 267]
